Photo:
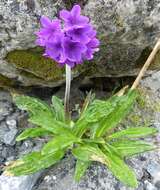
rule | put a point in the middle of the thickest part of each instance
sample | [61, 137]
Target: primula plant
[93, 137]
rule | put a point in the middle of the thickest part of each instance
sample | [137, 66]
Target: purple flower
[71, 42]
[73, 50]
[73, 17]
[79, 33]
[55, 49]
[92, 47]
[48, 30]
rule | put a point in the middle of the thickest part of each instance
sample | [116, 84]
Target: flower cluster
[71, 39]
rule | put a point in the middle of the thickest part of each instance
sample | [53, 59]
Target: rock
[154, 169]
[60, 177]
[18, 183]
[8, 132]
[128, 32]
[127, 29]
[149, 186]
[19, 21]
[5, 109]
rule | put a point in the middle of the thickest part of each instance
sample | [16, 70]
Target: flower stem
[67, 93]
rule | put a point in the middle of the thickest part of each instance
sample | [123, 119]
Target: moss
[141, 100]
[135, 118]
[32, 62]
[6, 82]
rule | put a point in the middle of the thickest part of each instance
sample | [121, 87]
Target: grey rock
[128, 30]
[20, 20]
[8, 134]
[60, 177]
[5, 96]
[154, 169]
[157, 184]
[11, 123]
[9, 137]
[153, 82]
[149, 186]
[18, 183]
[5, 109]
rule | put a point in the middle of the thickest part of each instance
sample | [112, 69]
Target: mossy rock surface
[31, 61]
[41, 71]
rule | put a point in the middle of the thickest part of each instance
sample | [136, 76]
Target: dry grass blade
[146, 65]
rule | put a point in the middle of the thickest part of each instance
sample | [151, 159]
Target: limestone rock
[127, 29]
[18, 183]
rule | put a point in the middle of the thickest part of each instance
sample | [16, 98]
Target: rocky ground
[60, 177]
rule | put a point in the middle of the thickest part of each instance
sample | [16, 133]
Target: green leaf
[89, 152]
[33, 105]
[32, 163]
[32, 132]
[134, 132]
[119, 168]
[49, 123]
[96, 140]
[87, 102]
[105, 114]
[127, 148]
[122, 106]
[59, 142]
[40, 114]
[81, 168]
[59, 108]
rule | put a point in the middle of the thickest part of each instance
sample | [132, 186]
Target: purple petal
[56, 23]
[40, 42]
[76, 10]
[79, 34]
[64, 14]
[82, 20]
[94, 43]
[45, 21]
[73, 50]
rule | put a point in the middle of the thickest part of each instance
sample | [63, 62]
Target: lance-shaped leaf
[40, 114]
[32, 163]
[122, 106]
[89, 152]
[95, 112]
[134, 132]
[59, 142]
[33, 105]
[49, 123]
[81, 168]
[31, 133]
[127, 148]
[58, 108]
[119, 168]
[106, 113]
[86, 103]
[96, 140]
